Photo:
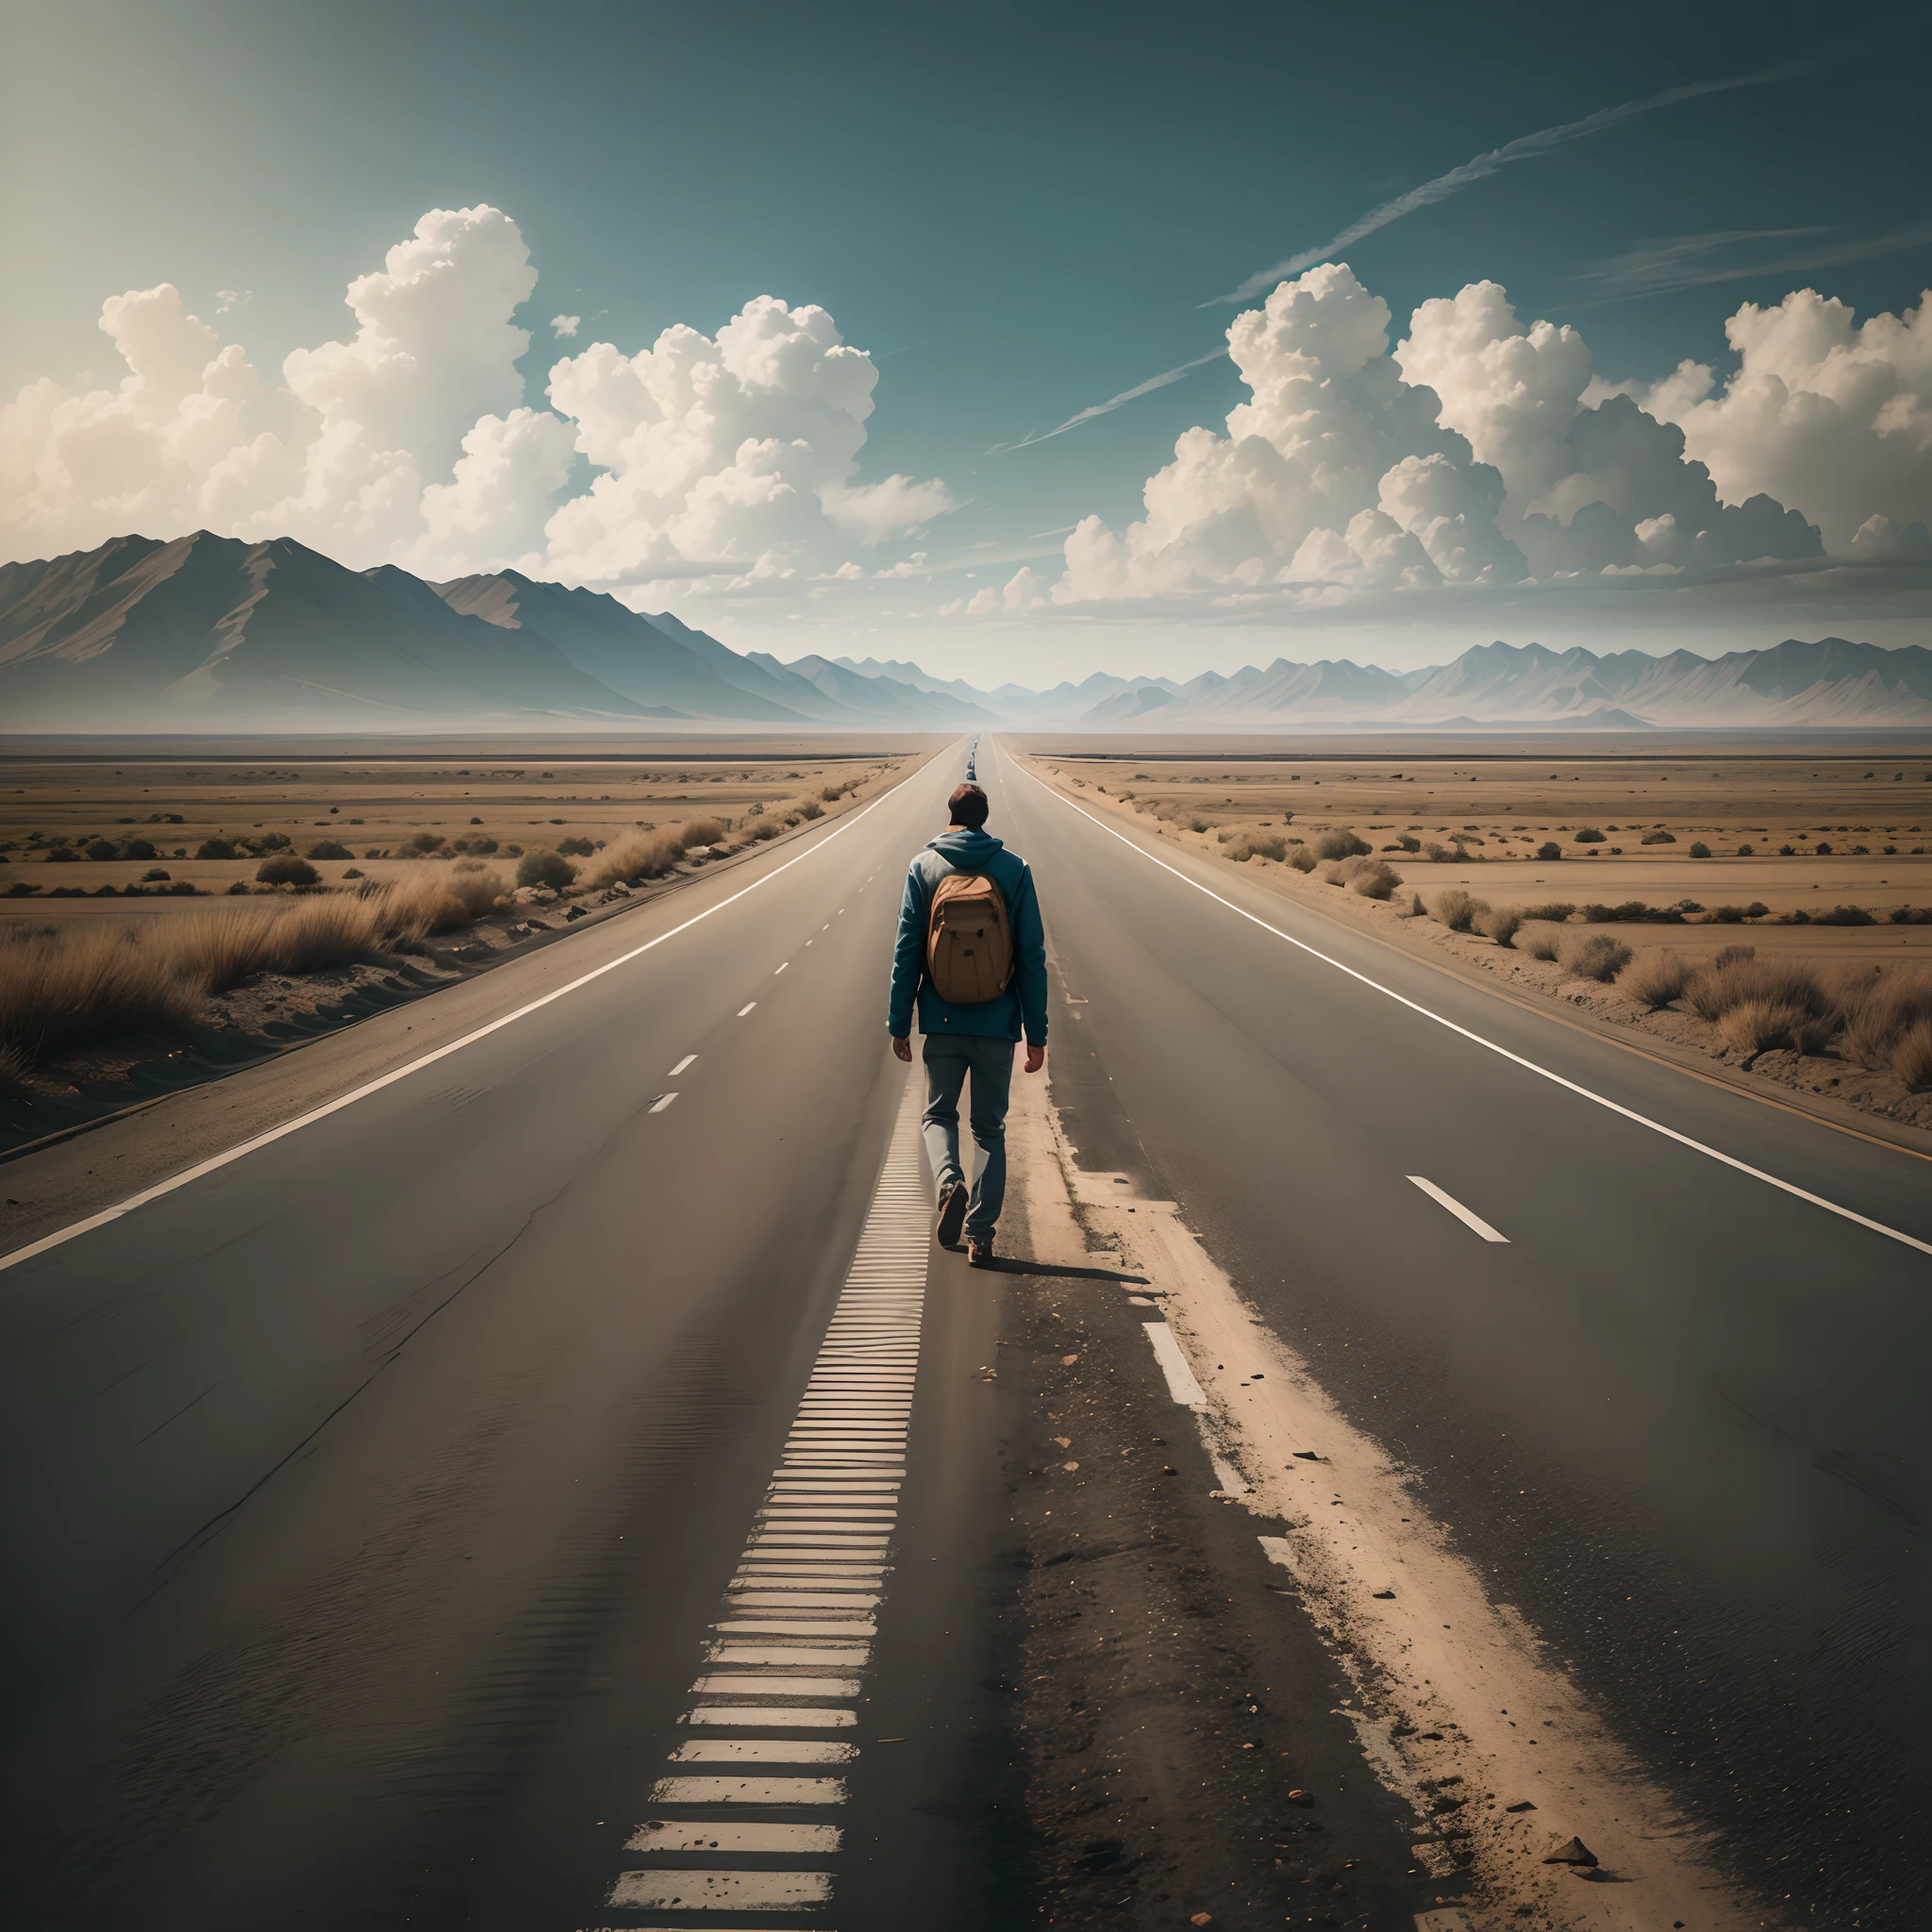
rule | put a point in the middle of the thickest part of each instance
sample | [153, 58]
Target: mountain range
[214, 633]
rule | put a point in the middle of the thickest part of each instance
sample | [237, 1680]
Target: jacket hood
[966, 845]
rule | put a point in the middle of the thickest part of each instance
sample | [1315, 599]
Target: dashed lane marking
[690, 1059]
[1456, 1209]
[781, 969]
[786, 1655]
[662, 1101]
[746, 1008]
[1181, 1384]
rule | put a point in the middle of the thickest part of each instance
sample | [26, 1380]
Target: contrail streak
[1527, 148]
[1113, 403]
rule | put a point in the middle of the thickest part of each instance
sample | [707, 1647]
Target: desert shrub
[1699, 849]
[1555, 911]
[1455, 909]
[1659, 838]
[1592, 956]
[1911, 1057]
[208, 848]
[1407, 841]
[1412, 907]
[139, 849]
[1881, 1012]
[1245, 846]
[1500, 924]
[809, 809]
[1756, 1025]
[285, 869]
[1303, 858]
[102, 848]
[638, 855]
[1733, 981]
[1844, 915]
[478, 888]
[575, 848]
[1587, 835]
[1729, 915]
[1337, 842]
[1372, 879]
[1655, 979]
[1549, 849]
[328, 848]
[545, 868]
[702, 832]
[1539, 942]
[423, 842]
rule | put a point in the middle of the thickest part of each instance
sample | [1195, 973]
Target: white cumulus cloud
[1474, 452]
[731, 459]
[565, 325]
[1823, 411]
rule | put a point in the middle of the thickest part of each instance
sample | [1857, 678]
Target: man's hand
[902, 1047]
[1036, 1058]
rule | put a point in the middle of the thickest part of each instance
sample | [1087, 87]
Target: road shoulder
[1285, 1564]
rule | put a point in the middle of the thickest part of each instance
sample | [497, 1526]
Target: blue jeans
[949, 1058]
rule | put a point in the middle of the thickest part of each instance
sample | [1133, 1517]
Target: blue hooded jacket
[1023, 1005]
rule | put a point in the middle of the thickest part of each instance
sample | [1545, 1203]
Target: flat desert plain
[1791, 831]
[81, 822]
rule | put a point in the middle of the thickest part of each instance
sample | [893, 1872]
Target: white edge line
[1729, 1161]
[1456, 1209]
[216, 1161]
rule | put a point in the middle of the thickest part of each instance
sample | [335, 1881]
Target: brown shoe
[952, 1200]
[979, 1251]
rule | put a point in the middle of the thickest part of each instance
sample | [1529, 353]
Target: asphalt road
[368, 1500]
[1676, 1416]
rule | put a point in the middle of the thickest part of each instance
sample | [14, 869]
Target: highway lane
[367, 1501]
[1674, 1415]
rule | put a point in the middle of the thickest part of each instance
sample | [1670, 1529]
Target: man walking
[972, 950]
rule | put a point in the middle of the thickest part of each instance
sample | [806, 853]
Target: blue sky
[1017, 212]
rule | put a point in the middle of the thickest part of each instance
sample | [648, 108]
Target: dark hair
[968, 805]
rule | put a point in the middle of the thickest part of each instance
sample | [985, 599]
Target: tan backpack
[968, 941]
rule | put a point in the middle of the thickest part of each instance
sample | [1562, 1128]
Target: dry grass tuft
[1756, 1025]
[1497, 922]
[1911, 1056]
[1303, 858]
[1592, 956]
[1881, 1013]
[1740, 979]
[1457, 909]
[1539, 942]
[57, 992]
[639, 856]
[1655, 979]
